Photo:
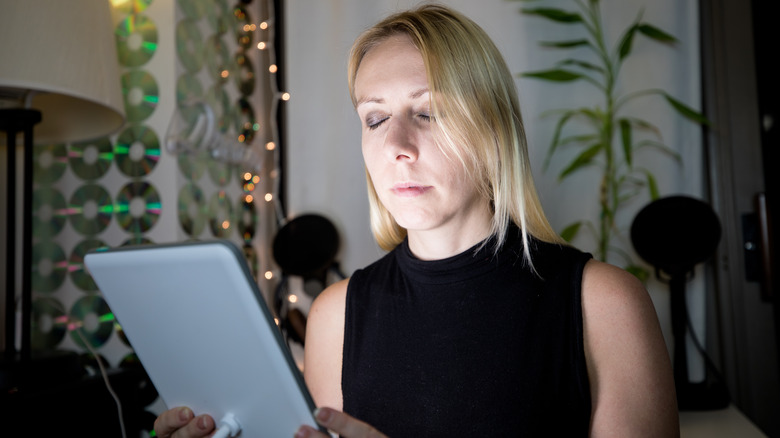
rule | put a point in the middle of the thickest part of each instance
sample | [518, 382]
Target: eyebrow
[413, 95]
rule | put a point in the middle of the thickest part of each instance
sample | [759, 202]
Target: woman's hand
[340, 423]
[182, 423]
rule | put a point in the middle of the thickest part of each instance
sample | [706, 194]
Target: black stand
[13, 121]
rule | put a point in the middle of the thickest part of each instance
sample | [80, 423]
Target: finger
[182, 423]
[344, 425]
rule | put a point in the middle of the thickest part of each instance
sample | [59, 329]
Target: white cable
[228, 427]
[105, 379]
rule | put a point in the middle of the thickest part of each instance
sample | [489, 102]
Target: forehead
[394, 60]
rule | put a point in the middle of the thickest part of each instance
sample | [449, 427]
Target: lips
[410, 190]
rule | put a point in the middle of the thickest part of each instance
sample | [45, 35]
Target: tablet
[198, 323]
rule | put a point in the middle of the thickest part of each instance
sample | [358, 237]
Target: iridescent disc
[246, 123]
[219, 101]
[243, 26]
[219, 172]
[138, 207]
[247, 219]
[91, 316]
[140, 92]
[49, 212]
[131, 6]
[90, 160]
[137, 150]
[220, 18]
[49, 162]
[194, 9]
[219, 63]
[90, 209]
[220, 214]
[78, 275]
[49, 266]
[137, 240]
[48, 324]
[136, 40]
[245, 74]
[193, 210]
[189, 45]
[251, 258]
[188, 90]
[192, 166]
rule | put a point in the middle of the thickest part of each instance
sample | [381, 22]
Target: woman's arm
[324, 346]
[631, 379]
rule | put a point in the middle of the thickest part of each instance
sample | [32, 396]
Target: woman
[479, 320]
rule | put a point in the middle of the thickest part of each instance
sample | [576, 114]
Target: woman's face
[420, 187]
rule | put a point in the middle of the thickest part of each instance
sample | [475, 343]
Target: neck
[446, 242]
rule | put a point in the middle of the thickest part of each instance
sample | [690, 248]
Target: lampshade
[64, 53]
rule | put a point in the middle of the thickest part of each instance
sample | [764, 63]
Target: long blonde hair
[478, 122]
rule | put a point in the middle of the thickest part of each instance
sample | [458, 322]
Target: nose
[400, 141]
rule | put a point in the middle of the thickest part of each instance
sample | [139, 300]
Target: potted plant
[604, 135]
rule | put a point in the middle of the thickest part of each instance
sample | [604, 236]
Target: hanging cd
[243, 26]
[48, 324]
[90, 160]
[219, 172]
[138, 207]
[218, 59]
[78, 275]
[220, 214]
[220, 18]
[137, 151]
[245, 74]
[189, 90]
[192, 166]
[90, 209]
[219, 101]
[139, 89]
[131, 6]
[49, 212]
[49, 266]
[192, 210]
[189, 45]
[247, 220]
[91, 318]
[49, 162]
[136, 40]
[137, 240]
[246, 124]
[194, 9]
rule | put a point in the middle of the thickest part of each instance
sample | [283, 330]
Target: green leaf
[652, 186]
[585, 138]
[655, 33]
[583, 65]
[582, 160]
[687, 111]
[564, 44]
[625, 136]
[558, 15]
[556, 135]
[555, 75]
[570, 232]
[626, 42]
[661, 147]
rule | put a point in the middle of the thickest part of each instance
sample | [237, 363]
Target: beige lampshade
[64, 51]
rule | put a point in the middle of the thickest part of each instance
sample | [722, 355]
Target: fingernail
[322, 415]
[202, 422]
[303, 432]
[185, 414]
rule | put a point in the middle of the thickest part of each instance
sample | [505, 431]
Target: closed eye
[374, 122]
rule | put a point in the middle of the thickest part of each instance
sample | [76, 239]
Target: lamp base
[45, 368]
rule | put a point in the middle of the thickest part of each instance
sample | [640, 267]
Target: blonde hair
[477, 113]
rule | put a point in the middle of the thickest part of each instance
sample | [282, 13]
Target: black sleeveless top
[473, 345]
